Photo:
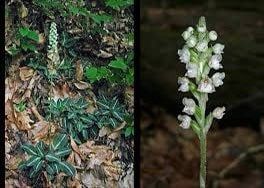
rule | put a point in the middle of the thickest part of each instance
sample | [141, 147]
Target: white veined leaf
[59, 141]
[67, 168]
[102, 104]
[52, 158]
[39, 148]
[63, 152]
[38, 165]
[33, 161]
[117, 116]
[29, 149]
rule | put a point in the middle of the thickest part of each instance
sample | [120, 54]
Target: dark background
[240, 27]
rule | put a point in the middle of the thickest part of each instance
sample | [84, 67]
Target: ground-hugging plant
[72, 117]
[49, 158]
[110, 112]
[199, 59]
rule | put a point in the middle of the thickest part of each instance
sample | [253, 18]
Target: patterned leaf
[67, 168]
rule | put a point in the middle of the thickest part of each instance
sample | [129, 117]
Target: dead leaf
[79, 71]
[104, 54]
[25, 73]
[104, 131]
[75, 147]
[40, 130]
[82, 85]
[22, 120]
[23, 11]
[30, 86]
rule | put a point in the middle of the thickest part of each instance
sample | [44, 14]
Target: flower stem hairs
[199, 57]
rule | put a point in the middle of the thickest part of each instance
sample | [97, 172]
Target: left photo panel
[69, 93]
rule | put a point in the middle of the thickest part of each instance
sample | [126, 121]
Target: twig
[250, 151]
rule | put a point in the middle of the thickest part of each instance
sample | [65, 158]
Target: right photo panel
[202, 94]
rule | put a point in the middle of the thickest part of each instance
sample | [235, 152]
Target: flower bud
[212, 35]
[185, 121]
[202, 46]
[206, 86]
[184, 87]
[215, 62]
[217, 79]
[218, 112]
[184, 55]
[186, 35]
[218, 48]
[201, 27]
[191, 42]
[190, 29]
[189, 106]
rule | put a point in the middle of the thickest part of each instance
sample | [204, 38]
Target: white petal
[217, 79]
[218, 112]
[186, 121]
[212, 35]
[206, 86]
[218, 48]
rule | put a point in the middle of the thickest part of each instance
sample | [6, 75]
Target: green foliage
[129, 128]
[21, 106]
[118, 71]
[110, 112]
[72, 117]
[119, 4]
[69, 8]
[26, 40]
[48, 158]
[96, 73]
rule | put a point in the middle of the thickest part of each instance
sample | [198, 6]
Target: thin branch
[250, 151]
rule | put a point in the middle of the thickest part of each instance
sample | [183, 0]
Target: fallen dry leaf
[82, 85]
[25, 73]
[22, 120]
[104, 54]
[79, 71]
[40, 130]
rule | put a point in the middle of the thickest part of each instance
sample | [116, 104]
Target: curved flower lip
[218, 48]
[192, 70]
[186, 121]
[215, 62]
[206, 86]
[184, 55]
[217, 79]
[189, 106]
[184, 87]
[218, 112]
[202, 46]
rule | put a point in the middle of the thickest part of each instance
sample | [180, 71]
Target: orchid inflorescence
[200, 57]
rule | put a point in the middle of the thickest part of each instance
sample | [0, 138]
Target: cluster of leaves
[110, 112]
[119, 4]
[49, 158]
[68, 8]
[20, 106]
[118, 71]
[26, 40]
[72, 117]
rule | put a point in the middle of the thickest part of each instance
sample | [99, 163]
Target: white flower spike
[218, 112]
[200, 57]
[185, 121]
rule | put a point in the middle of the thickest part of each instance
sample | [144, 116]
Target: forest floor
[89, 98]
[170, 155]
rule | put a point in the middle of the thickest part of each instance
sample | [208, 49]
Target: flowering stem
[202, 105]
[202, 160]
